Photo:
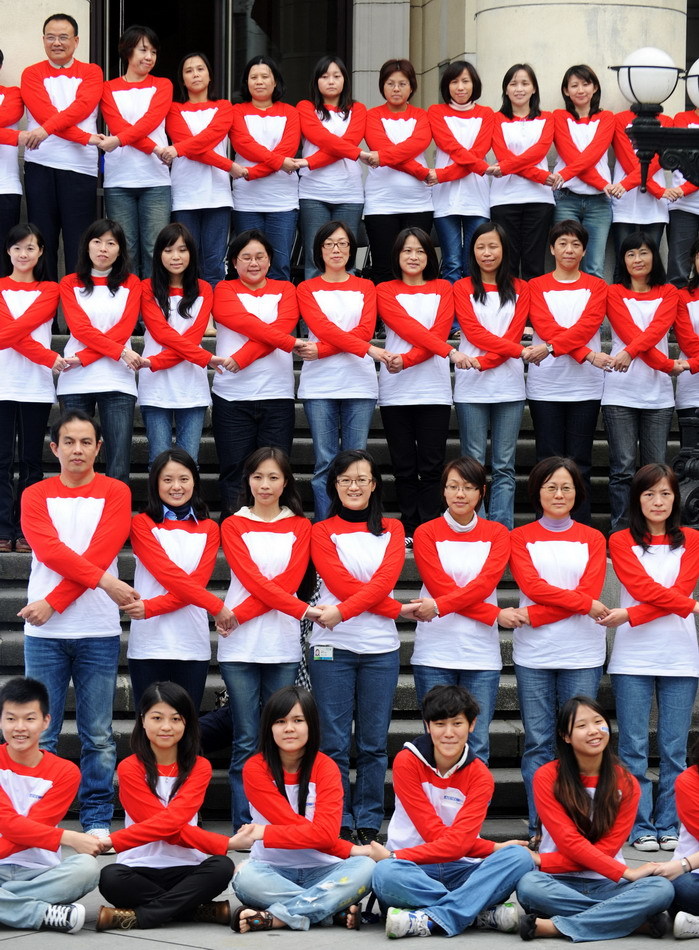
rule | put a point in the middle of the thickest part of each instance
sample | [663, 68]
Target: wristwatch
[549, 347]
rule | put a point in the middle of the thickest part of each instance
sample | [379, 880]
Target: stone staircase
[506, 729]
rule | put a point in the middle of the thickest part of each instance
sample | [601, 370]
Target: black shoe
[367, 835]
[527, 926]
[659, 924]
[347, 834]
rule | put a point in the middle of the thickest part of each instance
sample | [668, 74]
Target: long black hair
[290, 495]
[345, 102]
[431, 271]
[120, 268]
[534, 103]
[632, 242]
[693, 281]
[340, 464]
[154, 507]
[645, 478]
[587, 75]
[503, 277]
[593, 819]
[21, 231]
[188, 746]
[160, 278]
[277, 706]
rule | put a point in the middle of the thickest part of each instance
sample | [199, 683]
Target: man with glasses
[60, 159]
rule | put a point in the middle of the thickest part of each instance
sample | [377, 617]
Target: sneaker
[527, 926]
[659, 924]
[408, 542]
[66, 918]
[502, 917]
[668, 842]
[213, 912]
[646, 843]
[407, 923]
[22, 546]
[100, 833]
[685, 926]
[367, 835]
[347, 834]
[115, 918]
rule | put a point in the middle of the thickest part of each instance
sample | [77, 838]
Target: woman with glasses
[559, 566]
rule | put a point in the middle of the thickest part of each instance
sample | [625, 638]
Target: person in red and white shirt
[581, 178]
[76, 524]
[201, 170]
[492, 308]
[638, 399]
[330, 178]
[683, 227]
[101, 302]
[583, 889]
[655, 654]
[168, 868]
[521, 198]
[175, 545]
[136, 176]
[687, 335]
[11, 111]
[27, 307]
[462, 131]
[682, 868]
[396, 191]
[566, 362]
[559, 566]
[265, 135]
[60, 159]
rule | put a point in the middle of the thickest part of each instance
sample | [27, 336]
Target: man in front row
[37, 889]
[437, 875]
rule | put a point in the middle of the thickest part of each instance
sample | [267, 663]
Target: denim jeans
[188, 424]
[335, 424]
[629, 429]
[210, 228]
[249, 687]
[454, 232]
[483, 686]
[303, 896]
[682, 231]
[686, 894]
[25, 424]
[453, 894]
[241, 427]
[675, 697]
[594, 212]
[313, 214]
[527, 226]
[504, 420]
[142, 213]
[279, 228]
[567, 429]
[92, 664]
[189, 674]
[116, 411]
[359, 687]
[541, 693]
[590, 908]
[26, 893]
[417, 441]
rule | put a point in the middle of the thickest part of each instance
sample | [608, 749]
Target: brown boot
[115, 918]
[215, 912]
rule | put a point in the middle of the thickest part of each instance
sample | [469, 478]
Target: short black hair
[61, 16]
[587, 74]
[452, 72]
[279, 84]
[322, 235]
[569, 226]
[242, 240]
[74, 415]
[544, 470]
[392, 66]
[130, 38]
[22, 690]
[632, 242]
[2, 57]
[431, 271]
[445, 702]
[468, 469]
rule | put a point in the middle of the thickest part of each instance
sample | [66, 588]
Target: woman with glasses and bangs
[559, 566]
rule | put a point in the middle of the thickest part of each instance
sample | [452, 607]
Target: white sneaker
[646, 843]
[66, 918]
[668, 842]
[685, 926]
[407, 923]
[502, 917]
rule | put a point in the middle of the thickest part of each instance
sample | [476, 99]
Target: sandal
[261, 920]
[341, 917]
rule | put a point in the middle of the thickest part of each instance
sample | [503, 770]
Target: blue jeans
[504, 420]
[541, 693]
[359, 687]
[240, 427]
[116, 412]
[142, 213]
[335, 424]
[594, 212]
[23, 423]
[249, 687]
[92, 664]
[482, 684]
[279, 228]
[313, 214]
[26, 893]
[592, 908]
[682, 231]
[159, 422]
[629, 430]
[454, 232]
[210, 228]
[453, 894]
[303, 896]
[675, 699]
[686, 893]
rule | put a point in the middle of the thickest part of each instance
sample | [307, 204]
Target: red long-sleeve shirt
[684, 330]
[498, 349]
[200, 147]
[266, 160]
[89, 81]
[643, 343]
[424, 342]
[567, 340]
[401, 156]
[177, 347]
[333, 339]
[581, 163]
[464, 161]
[98, 344]
[136, 134]
[16, 333]
[263, 337]
[11, 111]
[331, 147]
[524, 164]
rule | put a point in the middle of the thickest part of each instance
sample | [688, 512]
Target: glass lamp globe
[647, 75]
[693, 83]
